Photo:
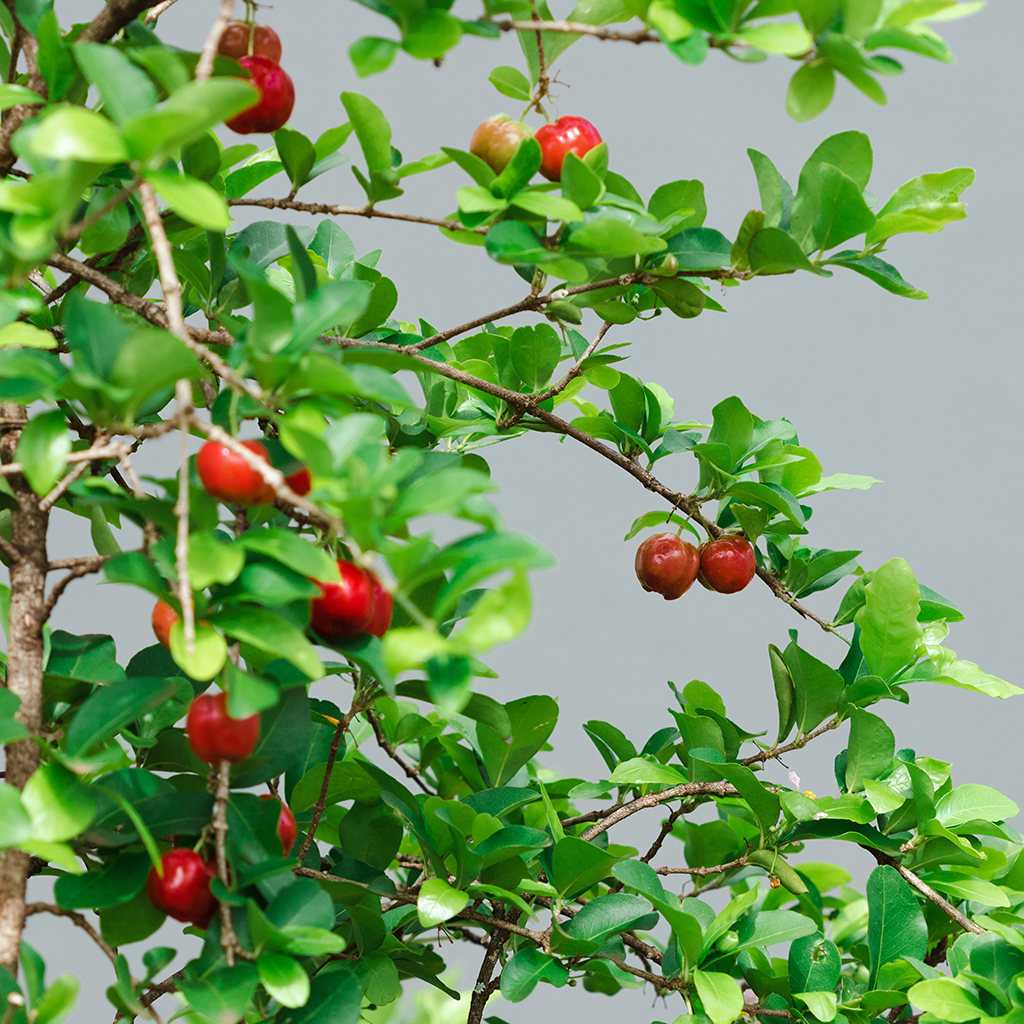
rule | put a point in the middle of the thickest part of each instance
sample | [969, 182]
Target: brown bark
[114, 16]
[24, 669]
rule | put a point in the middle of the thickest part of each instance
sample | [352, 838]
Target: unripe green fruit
[496, 140]
[773, 863]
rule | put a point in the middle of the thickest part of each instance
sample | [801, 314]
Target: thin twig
[797, 744]
[205, 66]
[481, 990]
[577, 368]
[382, 742]
[155, 12]
[929, 893]
[228, 940]
[330, 210]
[62, 485]
[715, 869]
[183, 394]
[666, 829]
[50, 908]
[579, 28]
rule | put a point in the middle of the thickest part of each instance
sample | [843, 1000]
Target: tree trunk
[24, 669]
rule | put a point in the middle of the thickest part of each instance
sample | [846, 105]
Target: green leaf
[842, 212]
[770, 927]
[870, 751]
[579, 183]
[814, 963]
[208, 657]
[896, 924]
[810, 91]
[58, 805]
[223, 994]
[372, 54]
[947, 1000]
[431, 34]
[532, 721]
[657, 518]
[701, 249]
[720, 995]
[284, 979]
[297, 155]
[822, 1004]
[639, 770]
[267, 631]
[966, 888]
[535, 353]
[126, 89]
[526, 969]
[111, 708]
[576, 865]
[890, 633]
[874, 269]
[774, 251]
[612, 238]
[510, 82]
[372, 130]
[770, 496]
[499, 616]
[788, 39]
[610, 913]
[115, 883]
[776, 193]
[15, 824]
[438, 902]
[74, 133]
[684, 299]
[58, 1001]
[817, 688]
[544, 204]
[680, 203]
[971, 802]
[43, 450]
[211, 559]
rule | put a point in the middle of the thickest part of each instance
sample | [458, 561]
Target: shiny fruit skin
[234, 41]
[727, 565]
[214, 735]
[184, 891]
[382, 607]
[228, 477]
[344, 609]
[286, 828]
[667, 564]
[566, 135]
[496, 140]
[301, 481]
[277, 97]
[163, 618]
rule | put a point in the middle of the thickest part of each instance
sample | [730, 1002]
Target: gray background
[922, 395]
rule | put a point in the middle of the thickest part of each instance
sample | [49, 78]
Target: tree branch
[114, 16]
[579, 28]
[929, 893]
[50, 908]
[481, 990]
[382, 742]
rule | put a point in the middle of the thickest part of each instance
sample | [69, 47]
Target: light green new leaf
[639, 770]
[946, 999]
[872, 745]
[43, 450]
[720, 994]
[58, 804]
[192, 199]
[779, 37]
[15, 824]
[822, 1004]
[971, 802]
[283, 979]
[890, 633]
[499, 616]
[74, 133]
[438, 902]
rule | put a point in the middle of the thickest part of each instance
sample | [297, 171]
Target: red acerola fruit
[727, 564]
[286, 828]
[184, 890]
[301, 481]
[228, 477]
[667, 564]
[163, 618]
[277, 97]
[566, 135]
[239, 39]
[382, 607]
[344, 609]
[496, 140]
[214, 735]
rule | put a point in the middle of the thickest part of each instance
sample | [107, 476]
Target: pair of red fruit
[257, 48]
[226, 476]
[668, 565]
[182, 891]
[496, 140]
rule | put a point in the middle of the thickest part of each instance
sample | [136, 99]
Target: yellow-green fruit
[496, 140]
[775, 865]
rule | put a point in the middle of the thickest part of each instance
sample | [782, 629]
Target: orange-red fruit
[286, 828]
[163, 618]
[277, 97]
[228, 477]
[567, 135]
[727, 564]
[184, 891]
[214, 735]
[382, 607]
[234, 41]
[346, 608]
[667, 565]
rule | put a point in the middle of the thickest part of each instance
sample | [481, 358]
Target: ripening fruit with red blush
[727, 564]
[184, 890]
[286, 828]
[496, 140]
[214, 735]
[667, 565]
[235, 41]
[163, 618]
[567, 135]
[226, 476]
[382, 607]
[301, 481]
[346, 608]
[277, 97]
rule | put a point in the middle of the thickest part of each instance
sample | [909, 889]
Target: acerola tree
[133, 309]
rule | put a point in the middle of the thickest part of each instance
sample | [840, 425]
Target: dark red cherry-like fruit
[382, 607]
[667, 564]
[727, 564]
[286, 828]
[214, 735]
[277, 97]
[567, 135]
[344, 609]
[235, 41]
[301, 481]
[226, 476]
[184, 890]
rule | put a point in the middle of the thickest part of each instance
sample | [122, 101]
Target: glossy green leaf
[74, 133]
[58, 805]
[438, 902]
[946, 999]
[817, 688]
[890, 633]
[720, 994]
[111, 708]
[871, 748]
[810, 91]
[371, 54]
[972, 801]
[125, 88]
[283, 979]
[43, 450]
[526, 969]
[896, 924]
